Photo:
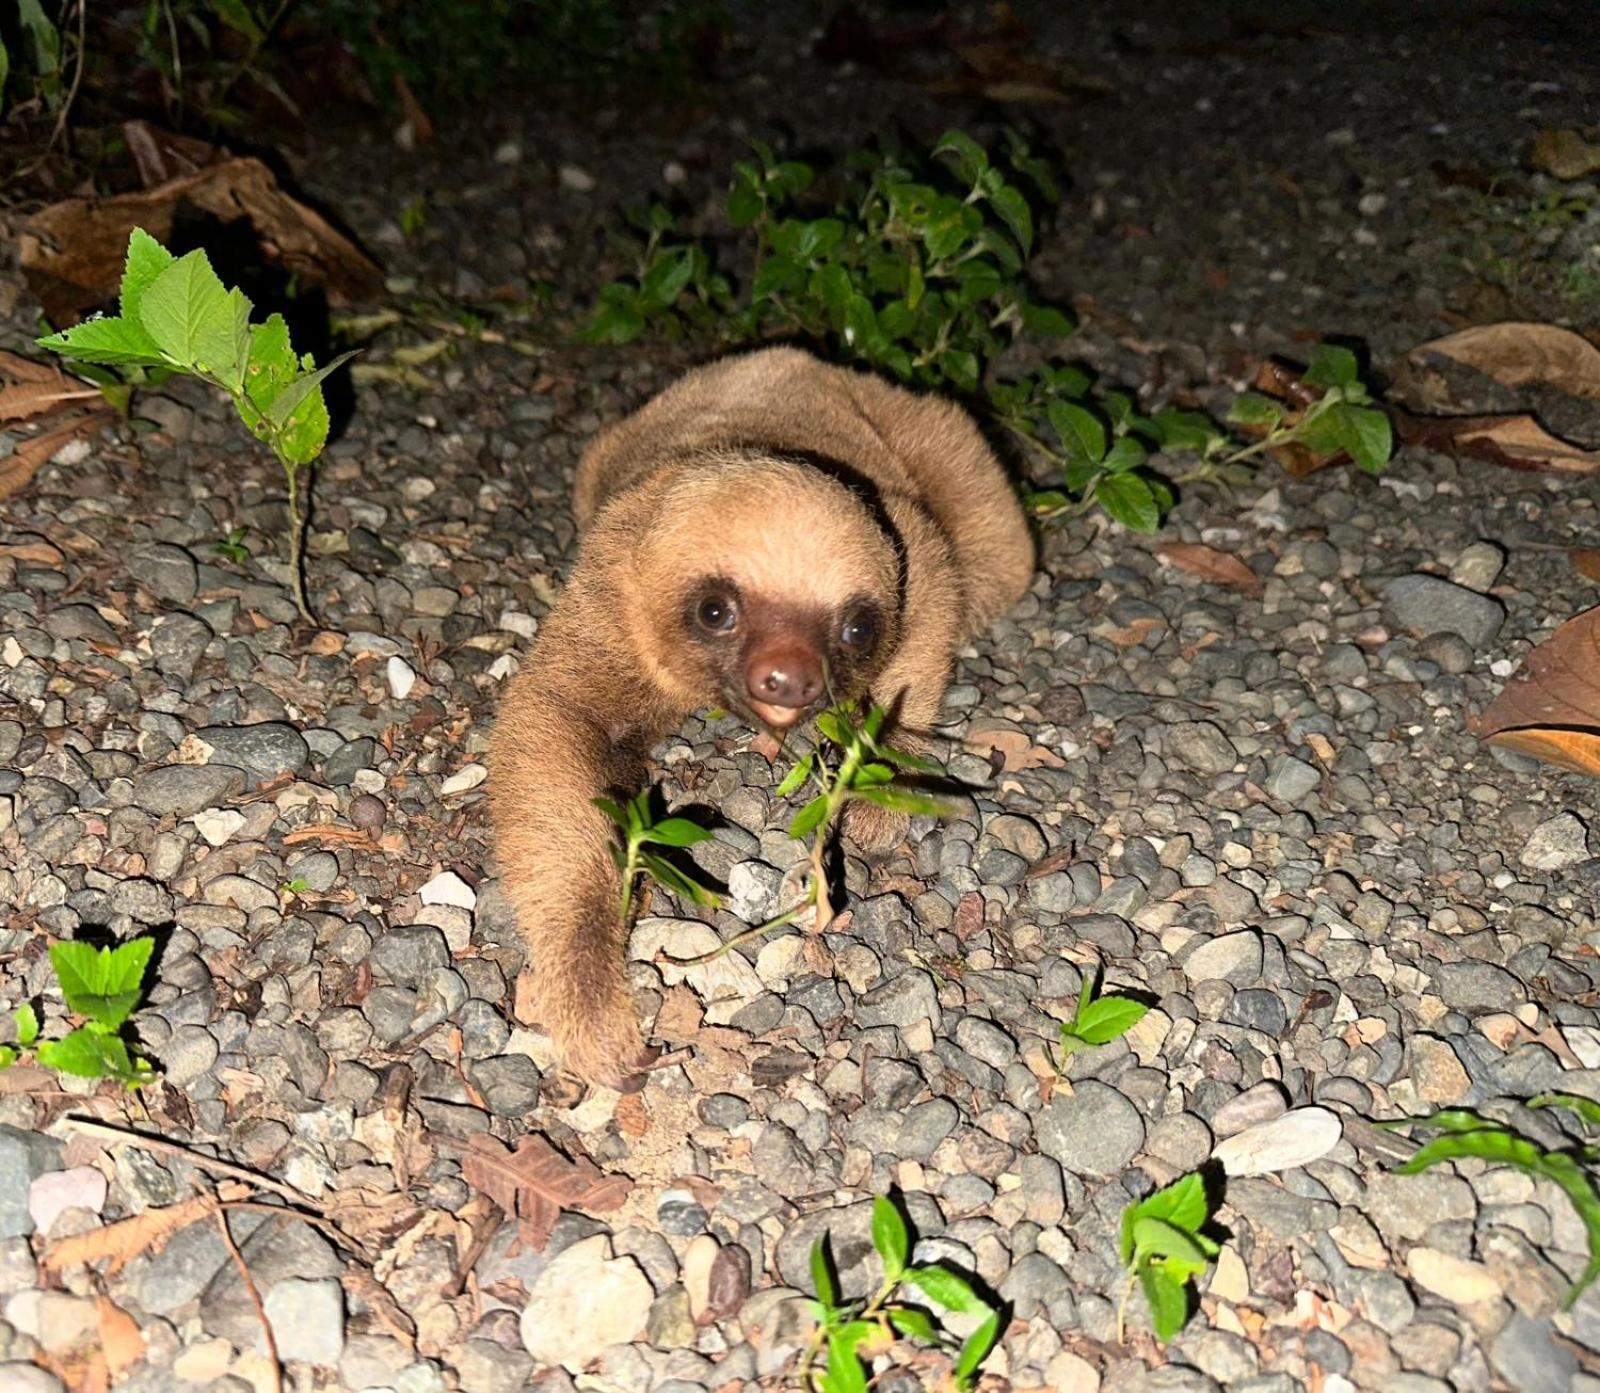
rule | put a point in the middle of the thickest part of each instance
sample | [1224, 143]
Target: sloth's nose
[785, 673]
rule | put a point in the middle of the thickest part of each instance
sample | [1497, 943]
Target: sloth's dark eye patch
[716, 612]
[859, 629]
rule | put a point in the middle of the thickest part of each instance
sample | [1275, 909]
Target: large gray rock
[1093, 1131]
[1427, 605]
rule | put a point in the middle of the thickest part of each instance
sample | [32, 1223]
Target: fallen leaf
[72, 253]
[30, 456]
[632, 1115]
[1209, 564]
[162, 155]
[1284, 382]
[34, 550]
[1564, 153]
[1517, 442]
[1585, 563]
[377, 1298]
[536, 1182]
[1551, 710]
[120, 1340]
[1016, 747]
[1515, 354]
[119, 1243]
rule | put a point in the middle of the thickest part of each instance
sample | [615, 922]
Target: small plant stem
[748, 935]
[809, 1356]
[630, 873]
[1122, 1303]
[297, 536]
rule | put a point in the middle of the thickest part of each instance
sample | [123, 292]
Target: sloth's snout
[782, 678]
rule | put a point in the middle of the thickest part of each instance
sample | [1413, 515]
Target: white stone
[449, 888]
[1556, 845]
[402, 678]
[82, 1187]
[584, 1303]
[1455, 1279]
[661, 941]
[1295, 1139]
[465, 779]
[218, 825]
[307, 1319]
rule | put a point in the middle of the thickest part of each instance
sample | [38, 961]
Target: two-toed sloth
[770, 534]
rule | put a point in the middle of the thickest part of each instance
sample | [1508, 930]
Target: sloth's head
[769, 587]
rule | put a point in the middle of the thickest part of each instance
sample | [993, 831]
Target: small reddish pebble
[367, 812]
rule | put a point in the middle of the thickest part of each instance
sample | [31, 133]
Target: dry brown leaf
[536, 1182]
[1517, 442]
[119, 1243]
[632, 1115]
[1015, 746]
[376, 1297]
[161, 154]
[331, 832]
[1586, 563]
[1551, 710]
[1209, 564]
[120, 1340]
[17, 469]
[34, 550]
[1564, 153]
[1515, 354]
[72, 253]
[25, 369]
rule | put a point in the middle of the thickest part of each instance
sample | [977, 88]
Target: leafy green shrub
[918, 268]
[1164, 1246]
[34, 53]
[179, 317]
[104, 986]
[851, 1329]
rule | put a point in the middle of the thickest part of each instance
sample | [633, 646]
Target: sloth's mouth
[778, 717]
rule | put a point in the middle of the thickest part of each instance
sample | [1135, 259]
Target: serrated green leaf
[188, 312]
[809, 818]
[890, 1237]
[831, 285]
[1183, 1204]
[949, 1289]
[614, 323]
[796, 776]
[114, 342]
[917, 1325]
[1106, 1018]
[667, 276]
[676, 831]
[1125, 453]
[1186, 430]
[1015, 213]
[300, 391]
[1128, 499]
[971, 159]
[1364, 433]
[1253, 409]
[822, 1275]
[1081, 432]
[1167, 1298]
[146, 260]
[90, 1054]
[975, 1349]
[27, 1020]
[101, 983]
[1332, 366]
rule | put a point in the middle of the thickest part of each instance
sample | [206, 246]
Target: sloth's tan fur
[802, 488]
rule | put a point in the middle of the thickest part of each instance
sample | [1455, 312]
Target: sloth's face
[776, 590]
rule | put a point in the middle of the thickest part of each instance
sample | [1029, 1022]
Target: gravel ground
[1266, 811]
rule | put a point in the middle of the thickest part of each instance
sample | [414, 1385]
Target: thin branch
[275, 1377]
[125, 1137]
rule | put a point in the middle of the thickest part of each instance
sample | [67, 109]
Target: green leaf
[667, 277]
[831, 285]
[101, 983]
[1186, 430]
[299, 392]
[1128, 499]
[1167, 1298]
[846, 1373]
[822, 1275]
[1364, 433]
[1045, 319]
[116, 342]
[902, 760]
[1586, 1108]
[236, 15]
[1014, 212]
[835, 726]
[1332, 366]
[971, 159]
[809, 818]
[796, 776]
[1183, 1204]
[676, 831]
[1152, 1236]
[975, 1349]
[27, 1020]
[90, 1054]
[1047, 500]
[146, 260]
[611, 810]
[870, 775]
[1253, 409]
[899, 800]
[681, 884]
[1126, 453]
[744, 201]
[915, 1324]
[949, 1289]
[45, 40]
[889, 1237]
[1105, 1019]
[190, 315]
[614, 323]
[5, 70]
[8, 1056]
[1082, 435]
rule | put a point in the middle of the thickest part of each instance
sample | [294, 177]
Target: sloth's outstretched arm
[565, 736]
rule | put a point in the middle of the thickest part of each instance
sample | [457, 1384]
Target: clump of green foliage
[852, 1330]
[178, 316]
[1098, 1020]
[1165, 1247]
[640, 829]
[103, 985]
[917, 267]
[36, 55]
[1468, 1133]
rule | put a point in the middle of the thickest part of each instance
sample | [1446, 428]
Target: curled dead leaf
[1517, 442]
[30, 456]
[1551, 710]
[536, 1182]
[1015, 747]
[1516, 353]
[72, 253]
[1209, 564]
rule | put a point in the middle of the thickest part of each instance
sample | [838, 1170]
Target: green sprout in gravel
[851, 1330]
[1470, 1134]
[1098, 1020]
[639, 829]
[103, 985]
[177, 315]
[232, 546]
[1164, 1247]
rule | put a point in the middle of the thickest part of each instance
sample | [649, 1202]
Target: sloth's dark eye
[858, 631]
[716, 614]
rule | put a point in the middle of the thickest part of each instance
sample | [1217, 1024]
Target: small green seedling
[1467, 1133]
[232, 546]
[639, 829]
[864, 770]
[1164, 1247]
[1098, 1020]
[853, 1330]
[178, 316]
[1342, 418]
[103, 985]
